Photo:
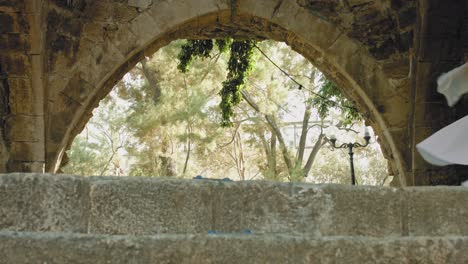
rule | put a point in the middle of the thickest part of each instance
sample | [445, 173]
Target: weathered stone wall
[21, 89]
[59, 58]
[27, 248]
[75, 219]
[148, 206]
[89, 56]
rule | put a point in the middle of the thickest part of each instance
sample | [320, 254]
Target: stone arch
[89, 64]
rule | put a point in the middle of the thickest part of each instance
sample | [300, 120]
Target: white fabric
[454, 84]
[448, 145]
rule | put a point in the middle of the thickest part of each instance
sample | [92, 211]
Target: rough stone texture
[21, 90]
[267, 208]
[72, 248]
[354, 211]
[384, 27]
[149, 206]
[142, 4]
[59, 58]
[34, 202]
[326, 210]
[436, 212]
[145, 206]
[73, 219]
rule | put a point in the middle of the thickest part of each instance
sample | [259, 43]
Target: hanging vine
[193, 49]
[239, 65]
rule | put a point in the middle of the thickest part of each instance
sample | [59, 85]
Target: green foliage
[329, 96]
[223, 44]
[84, 158]
[239, 65]
[193, 49]
[184, 123]
[95, 151]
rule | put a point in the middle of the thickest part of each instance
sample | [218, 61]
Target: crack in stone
[276, 8]
[335, 40]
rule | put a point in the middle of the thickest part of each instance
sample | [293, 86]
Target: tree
[173, 119]
[240, 63]
[97, 150]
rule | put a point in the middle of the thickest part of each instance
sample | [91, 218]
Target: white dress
[450, 144]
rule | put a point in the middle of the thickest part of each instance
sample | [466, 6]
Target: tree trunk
[270, 153]
[189, 148]
[167, 166]
[275, 129]
[273, 154]
[153, 83]
[241, 161]
[305, 122]
[313, 154]
[305, 129]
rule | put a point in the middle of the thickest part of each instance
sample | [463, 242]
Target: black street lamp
[350, 147]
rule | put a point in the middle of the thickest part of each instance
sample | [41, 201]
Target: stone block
[397, 68]
[145, 28]
[124, 40]
[71, 248]
[13, 42]
[302, 208]
[432, 114]
[361, 211]
[16, 64]
[38, 202]
[21, 96]
[25, 166]
[394, 105]
[123, 13]
[343, 53]
[149, 206]
[402, 144]
[7, 22]
[407, 17]
[266, 207]
[78, 89]
[437, 211]
[25, 128]
[27, 151]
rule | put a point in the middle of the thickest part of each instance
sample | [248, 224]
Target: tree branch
[275, 129]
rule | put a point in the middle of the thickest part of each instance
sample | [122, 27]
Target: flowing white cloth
[454, 84]
[450, 144]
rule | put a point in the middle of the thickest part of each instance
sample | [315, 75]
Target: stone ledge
[35, 202]
[146, 206]
[227, 248]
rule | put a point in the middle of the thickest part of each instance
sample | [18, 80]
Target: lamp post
[350, 147]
